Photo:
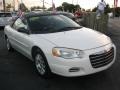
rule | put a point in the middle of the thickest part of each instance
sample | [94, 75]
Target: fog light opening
[74, 69]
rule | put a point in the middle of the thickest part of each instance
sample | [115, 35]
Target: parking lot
[18, 73]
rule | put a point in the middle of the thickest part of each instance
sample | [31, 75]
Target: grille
[100, 60]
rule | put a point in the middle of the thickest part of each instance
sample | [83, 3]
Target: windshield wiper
[70, 28]
[58, 30]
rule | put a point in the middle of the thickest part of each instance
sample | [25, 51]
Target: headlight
[67, 53]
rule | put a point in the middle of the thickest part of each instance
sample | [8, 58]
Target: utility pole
[4, 8]
[13, 5]
[52, 4]
[72, 1]
[21, 1]
[43, 5]
[52, 1]
[77, 2]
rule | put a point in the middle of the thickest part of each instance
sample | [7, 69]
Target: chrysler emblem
[103, 51]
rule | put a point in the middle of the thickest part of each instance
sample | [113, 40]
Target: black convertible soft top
[41, 13]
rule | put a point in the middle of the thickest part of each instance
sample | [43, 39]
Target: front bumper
[63, 66]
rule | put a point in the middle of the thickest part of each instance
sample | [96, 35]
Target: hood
[82, 39]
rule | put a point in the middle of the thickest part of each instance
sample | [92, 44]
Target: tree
[8, 7]
[36, 7]
[117, 11]
[94, 9]
[77, 6]
[107, 9]
[23, 7]
[60, 8]
[65, 6]
[68, 7]
[32, 8]
[50, 9]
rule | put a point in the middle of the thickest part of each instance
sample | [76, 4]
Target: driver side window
[19, 24]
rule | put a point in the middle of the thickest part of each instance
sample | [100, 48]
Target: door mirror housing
[23, 30]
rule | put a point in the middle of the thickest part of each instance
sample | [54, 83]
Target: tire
[42, 65]
[8, 45]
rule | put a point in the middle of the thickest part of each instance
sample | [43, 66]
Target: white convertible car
[58, 45]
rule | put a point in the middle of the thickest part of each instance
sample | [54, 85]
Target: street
[19, 73]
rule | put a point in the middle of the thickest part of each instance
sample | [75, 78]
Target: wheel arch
[33, 52]
[5, 36]
[37, 49]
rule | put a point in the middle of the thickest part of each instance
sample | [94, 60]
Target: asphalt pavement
[18, 73]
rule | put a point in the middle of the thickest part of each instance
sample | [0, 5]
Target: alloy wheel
[8, 44]
[40, 64]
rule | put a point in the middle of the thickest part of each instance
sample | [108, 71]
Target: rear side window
[19, 24]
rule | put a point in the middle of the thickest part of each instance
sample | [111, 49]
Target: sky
[87, 4]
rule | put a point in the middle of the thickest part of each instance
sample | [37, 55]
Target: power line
[45, 2]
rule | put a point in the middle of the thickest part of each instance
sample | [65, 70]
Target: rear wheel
[9, 47]
[42, 65]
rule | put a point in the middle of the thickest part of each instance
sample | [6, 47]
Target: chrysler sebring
[59, 45]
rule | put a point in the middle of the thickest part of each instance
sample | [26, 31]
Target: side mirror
[23, 30]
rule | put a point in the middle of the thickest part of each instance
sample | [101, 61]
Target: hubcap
[40, 64]
[8, 45]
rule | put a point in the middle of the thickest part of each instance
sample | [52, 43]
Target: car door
[21, 40]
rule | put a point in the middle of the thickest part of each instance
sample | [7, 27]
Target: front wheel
[42, 65]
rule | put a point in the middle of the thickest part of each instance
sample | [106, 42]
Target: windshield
[51, 24]
[70, 15]
[5, 14]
